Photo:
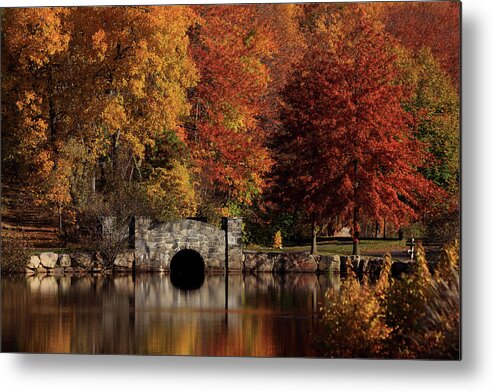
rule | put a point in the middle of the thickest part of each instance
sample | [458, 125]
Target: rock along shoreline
[253, 262]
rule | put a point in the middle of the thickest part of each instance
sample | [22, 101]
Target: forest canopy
[327, 115]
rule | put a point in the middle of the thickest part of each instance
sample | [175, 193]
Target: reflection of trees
[28, 324]
[87, 314]
[195, 324]
[268, 315]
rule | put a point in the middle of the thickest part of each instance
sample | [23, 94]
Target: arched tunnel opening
[187, 270]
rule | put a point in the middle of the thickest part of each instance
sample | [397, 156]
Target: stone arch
[156, 243]
[187, 268]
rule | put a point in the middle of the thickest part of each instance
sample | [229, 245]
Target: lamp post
[411, 251]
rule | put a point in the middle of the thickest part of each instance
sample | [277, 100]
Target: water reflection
[242, 315]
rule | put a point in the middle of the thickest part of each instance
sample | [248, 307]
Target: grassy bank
[367, 247]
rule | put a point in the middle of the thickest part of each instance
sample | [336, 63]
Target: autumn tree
[90, 92]
[135, 71]
[434, 103]
[282, 22]
[348, 150]
[433, 25]
[225, 138]
[34, 45]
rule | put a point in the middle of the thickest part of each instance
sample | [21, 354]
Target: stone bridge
[158, 246]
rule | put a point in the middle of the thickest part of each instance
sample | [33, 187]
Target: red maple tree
[226, 140]
[348, 151]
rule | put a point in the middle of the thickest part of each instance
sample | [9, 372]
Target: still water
[242, 315]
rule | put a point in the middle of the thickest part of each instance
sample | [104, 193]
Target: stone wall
[279, 262]
[304, 262]
[212, 249]
[80, 262]
[157, 243]
[234, 229]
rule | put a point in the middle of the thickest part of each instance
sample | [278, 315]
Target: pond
[265, 315]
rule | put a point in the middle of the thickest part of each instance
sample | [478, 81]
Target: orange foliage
[434, 25]
[113, 79]
[229, 48]
[96, 92]
[347, 150]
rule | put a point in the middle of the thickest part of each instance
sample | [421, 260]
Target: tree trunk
[313, 249]
[51, 108]
[355, 212]
[60, 220]
[355, 232]
[355, 245]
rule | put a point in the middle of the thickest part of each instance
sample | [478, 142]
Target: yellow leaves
[233, 119]
[448, 264]
[170, 192]
[137, 85]
[134, 143]
[277, 243]
[30, 100]
[44, 161]
[416, 316]
[225, 211]
[353, 325]
[114, 116]
[256, 70]
[32, 119]
[58, 185]
[150, 69]
[434, 102]
[100, 44]
[36, 34]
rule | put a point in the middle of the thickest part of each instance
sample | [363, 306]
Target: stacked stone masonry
[234, 229]
[157, 243]
[304, 262]
[221, 249]
[251, 262]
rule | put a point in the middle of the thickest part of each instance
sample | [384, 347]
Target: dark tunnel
[187, 270]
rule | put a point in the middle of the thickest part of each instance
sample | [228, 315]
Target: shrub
[405, 303]
[353, 325]
[440, 331]
[277, 240]
[15, 252]
[416, 316]
[104, 223]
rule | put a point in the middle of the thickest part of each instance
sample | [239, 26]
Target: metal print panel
[266, 180]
